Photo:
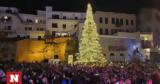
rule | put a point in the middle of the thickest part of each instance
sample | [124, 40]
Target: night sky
[128, 6]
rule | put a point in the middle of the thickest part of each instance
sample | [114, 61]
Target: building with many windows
[60, 22]
[109, 23]
[112, 26]
[16, 24]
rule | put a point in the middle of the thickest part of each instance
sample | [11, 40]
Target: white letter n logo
[14, 78]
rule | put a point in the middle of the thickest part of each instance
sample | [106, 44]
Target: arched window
[56, 57]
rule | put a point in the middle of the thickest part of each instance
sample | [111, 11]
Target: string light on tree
[90, 49]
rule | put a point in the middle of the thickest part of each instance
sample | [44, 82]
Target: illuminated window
[36, 20]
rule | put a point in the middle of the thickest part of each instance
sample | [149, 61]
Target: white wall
[125, 43]
[70, 25]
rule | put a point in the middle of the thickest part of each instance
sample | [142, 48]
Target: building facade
[149, 22]
[116, 46]
[109, 23]
[123, 47]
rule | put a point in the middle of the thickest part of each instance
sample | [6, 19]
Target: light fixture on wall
[5, 17]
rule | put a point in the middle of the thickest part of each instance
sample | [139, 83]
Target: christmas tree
[90, 49]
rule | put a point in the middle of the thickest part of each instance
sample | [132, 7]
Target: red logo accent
[14, 77]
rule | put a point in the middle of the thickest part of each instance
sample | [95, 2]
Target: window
[100, 31]
[8, 11]
[112, 54]
[55, 16]
[117, 21]
[39, 38]
[64, 26]
[54, 25]
[121, 21]
[56, 56]
[9, 27]
[106, 31]
[121, 54]
[29, 21]
[100, 20]
[53, 33]
[28, 36]
[113, 20]
[75, 26]
[106, 20]
[64, 17]
[36, 20]
[18, 36]
[76, 18]
[40, 29]
[127, 22]
[112, 31]
[132, 22]
[40, 21]
[28, 28]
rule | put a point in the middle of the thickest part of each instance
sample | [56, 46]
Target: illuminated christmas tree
[90, 49]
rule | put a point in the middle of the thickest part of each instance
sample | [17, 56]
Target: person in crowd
[45, 73]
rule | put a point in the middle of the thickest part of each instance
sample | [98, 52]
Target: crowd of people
[45, 73]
